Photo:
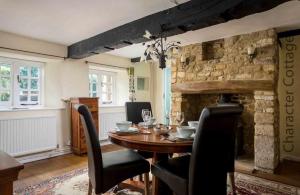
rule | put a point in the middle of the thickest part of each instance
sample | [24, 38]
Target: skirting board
[52, 153]
[44, 155]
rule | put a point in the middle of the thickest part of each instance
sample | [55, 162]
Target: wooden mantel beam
[217, 87]
[192, 15]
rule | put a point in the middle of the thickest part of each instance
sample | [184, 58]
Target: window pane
[23, 71]
[24, 93]
[94, 78]
[94, 94]
[109, 88]
[4, 96]
[5, 83]
[34, 84]
[104, 78]
[109, 97]
[24, 83]
[35, 72]
[34, 92]
[5, 70]
[23, 98]
[104, 88]
[34, 98]
[109, 79]
[94, 85]
[104, 97]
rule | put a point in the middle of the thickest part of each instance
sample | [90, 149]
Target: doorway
[167, 94]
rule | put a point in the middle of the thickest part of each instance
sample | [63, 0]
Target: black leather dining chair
[109, 169]
[204, 172]
[134, 111]
[134, 114]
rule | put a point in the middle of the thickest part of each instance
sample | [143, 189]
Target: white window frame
[99, 74]
[15, 89]
[8, 103]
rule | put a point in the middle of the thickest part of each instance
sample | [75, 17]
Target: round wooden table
[152, 143]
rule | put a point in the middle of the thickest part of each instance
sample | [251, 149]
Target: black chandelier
[159, 49]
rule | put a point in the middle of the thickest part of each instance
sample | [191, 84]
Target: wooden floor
[288, 172]
[37, 171]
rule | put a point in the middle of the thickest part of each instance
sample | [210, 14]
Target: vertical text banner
[289, 97]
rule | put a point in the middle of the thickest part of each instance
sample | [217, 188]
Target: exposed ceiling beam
[138, 59]
[188, 16]
[289, 33]
[135, 60]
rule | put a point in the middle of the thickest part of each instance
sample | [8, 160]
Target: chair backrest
[95, 164]
[134, 111]
[212, 150]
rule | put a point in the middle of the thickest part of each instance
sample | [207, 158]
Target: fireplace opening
[193, 104]
[225, 99]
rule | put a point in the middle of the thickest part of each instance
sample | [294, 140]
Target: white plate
[141, 124]
[184, 138]
[130, 130]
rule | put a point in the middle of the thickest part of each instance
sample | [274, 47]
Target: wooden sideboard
[78, 143]
[9, 171]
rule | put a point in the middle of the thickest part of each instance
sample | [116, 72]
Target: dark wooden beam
[191, 15]
[289, 33]
[138, 59]
[135, 60]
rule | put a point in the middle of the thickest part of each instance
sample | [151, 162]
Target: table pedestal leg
[159, 187]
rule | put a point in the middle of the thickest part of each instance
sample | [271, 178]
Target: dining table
[161, 147]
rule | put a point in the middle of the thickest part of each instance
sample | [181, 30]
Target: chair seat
[121, 165]
[174, 172]
[145, 154]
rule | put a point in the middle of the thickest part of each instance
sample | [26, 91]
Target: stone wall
[227, 59]
[234, 63]
[266, 130]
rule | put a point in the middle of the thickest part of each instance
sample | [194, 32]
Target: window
[102, 85]
[20, 82]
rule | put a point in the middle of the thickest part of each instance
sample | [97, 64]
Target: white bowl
[151, 121]
[185, 131]
[193, 124]
[124, 125]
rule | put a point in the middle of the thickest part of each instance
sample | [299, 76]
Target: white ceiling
[70, 21]
[283, 17]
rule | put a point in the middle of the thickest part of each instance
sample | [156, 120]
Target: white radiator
[107, 122]
[28, 135]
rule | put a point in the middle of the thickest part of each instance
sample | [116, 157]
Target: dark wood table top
[8, 163]
[151, 142]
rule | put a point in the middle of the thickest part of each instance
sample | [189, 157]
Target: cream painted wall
[110, 60]
[289, 97]
[63, 79]
[155, 93]
[13, 41]
[143, 69]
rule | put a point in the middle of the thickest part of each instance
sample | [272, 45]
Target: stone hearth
[223, 66]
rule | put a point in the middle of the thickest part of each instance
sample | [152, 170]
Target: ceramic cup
[124, 125]
[185, 131]
[193, 124]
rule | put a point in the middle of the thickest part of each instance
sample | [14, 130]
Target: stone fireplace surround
[222, 66]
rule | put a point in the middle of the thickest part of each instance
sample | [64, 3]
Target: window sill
[111, 106]
[10, 109]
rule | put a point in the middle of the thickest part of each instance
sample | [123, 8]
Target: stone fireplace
[223, 66]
